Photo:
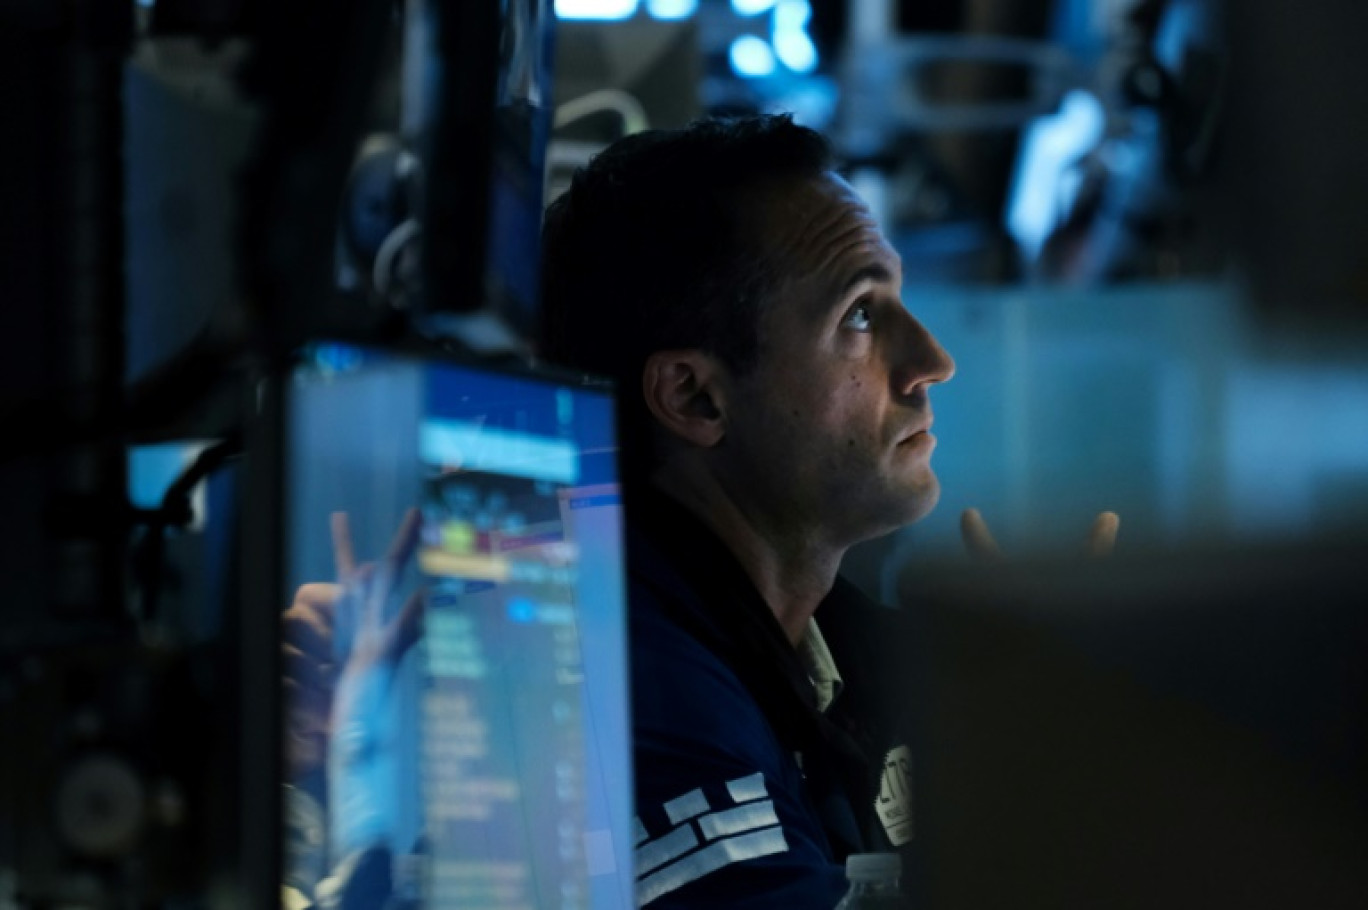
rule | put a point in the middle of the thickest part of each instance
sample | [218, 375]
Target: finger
[319, 597]
[343, 555]
[304, 670]
[978, 540]
[363, 603]
[315, 605]
[314, 700]
[1102, 534]
[306, 710]
[407, 626]
[405, 539]
[377, 584]
[306, 629]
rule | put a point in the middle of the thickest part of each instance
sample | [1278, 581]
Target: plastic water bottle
[873, 882]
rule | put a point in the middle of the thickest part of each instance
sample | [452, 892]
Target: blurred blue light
[672, 9]
[751, 57]
[336, 358]
[811, 100]
[791, 15]
[791, 40]
[797, 51]
[596, 9]
[520, 609]
[1046, 178]
[751, 7]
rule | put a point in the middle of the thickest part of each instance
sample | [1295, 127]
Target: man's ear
[683, 389]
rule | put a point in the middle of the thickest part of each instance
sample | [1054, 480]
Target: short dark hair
[648, 251]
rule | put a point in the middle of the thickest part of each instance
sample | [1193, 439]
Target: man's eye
[859, 318]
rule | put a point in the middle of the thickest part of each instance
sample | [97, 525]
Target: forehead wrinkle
[864, 242]
[814, 250]
[810, 239]
[809, 235]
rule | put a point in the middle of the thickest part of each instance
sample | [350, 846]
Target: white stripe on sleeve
[739, 819]
[745, 789]
[682, 808]
[663, 849]
[716, 855]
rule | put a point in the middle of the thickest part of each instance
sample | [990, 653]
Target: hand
[307, 655]
[310, 669]
[366, 589]
[984, 549]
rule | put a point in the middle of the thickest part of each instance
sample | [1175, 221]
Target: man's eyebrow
[875, 272]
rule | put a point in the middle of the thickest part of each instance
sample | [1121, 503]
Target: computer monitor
[483, 760]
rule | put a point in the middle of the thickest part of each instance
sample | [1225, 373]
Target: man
[774, 412]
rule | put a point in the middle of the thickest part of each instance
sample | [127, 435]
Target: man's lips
[916, 431]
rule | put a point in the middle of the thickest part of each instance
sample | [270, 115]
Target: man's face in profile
[830, 429]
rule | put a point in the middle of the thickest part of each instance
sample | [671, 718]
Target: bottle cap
[873, 867]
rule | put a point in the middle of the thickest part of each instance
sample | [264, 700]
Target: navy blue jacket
[747, 795]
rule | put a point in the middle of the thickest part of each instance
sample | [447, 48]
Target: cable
[176, 510]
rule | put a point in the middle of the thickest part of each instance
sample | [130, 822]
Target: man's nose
[922, 362]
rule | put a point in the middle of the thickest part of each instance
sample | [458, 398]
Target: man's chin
[923, 499]
[909, 505]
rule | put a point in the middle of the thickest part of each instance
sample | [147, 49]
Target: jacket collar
[674, 551]
[706, 590]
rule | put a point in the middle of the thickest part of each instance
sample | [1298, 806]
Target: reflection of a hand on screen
[340, 719]
[358, 597]
[361, 772]
[367, 588]
[310, 675]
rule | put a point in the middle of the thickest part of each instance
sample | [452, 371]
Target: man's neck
[792, 571]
